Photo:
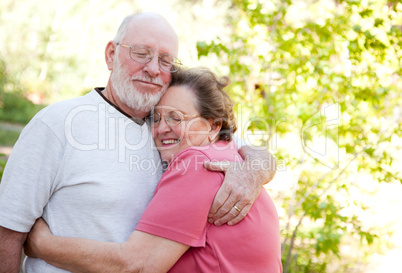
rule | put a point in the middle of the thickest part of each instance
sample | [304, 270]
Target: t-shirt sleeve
[28, 177]
[239, 141]
[179, 209]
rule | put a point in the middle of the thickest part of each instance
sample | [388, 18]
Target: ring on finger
[236, 208]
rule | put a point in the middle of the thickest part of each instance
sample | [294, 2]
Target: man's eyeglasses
[172, 118]
[142, 54]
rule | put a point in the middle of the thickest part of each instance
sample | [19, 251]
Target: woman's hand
[36, 237]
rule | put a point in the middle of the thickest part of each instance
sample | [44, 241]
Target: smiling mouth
[146, 80]
[170, 141]
[149, 83]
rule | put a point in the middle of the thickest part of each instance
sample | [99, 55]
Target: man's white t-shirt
[85, 167]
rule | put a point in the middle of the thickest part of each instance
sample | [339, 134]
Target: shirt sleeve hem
[12, 225]
[170, 234]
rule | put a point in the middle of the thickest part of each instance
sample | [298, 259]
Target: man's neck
[111, 95]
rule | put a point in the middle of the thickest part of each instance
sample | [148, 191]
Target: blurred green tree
[328, 72]
[55, 52]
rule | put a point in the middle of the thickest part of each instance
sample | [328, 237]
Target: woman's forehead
[179, 98]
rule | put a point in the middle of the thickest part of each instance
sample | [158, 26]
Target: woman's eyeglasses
[172, 117]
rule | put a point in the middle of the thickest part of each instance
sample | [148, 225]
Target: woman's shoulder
[218, 151]
[191, 160]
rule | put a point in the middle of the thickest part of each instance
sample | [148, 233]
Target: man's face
[139, 98]
[140, 86]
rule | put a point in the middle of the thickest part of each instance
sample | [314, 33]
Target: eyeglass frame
[176, 65]
[168, 120]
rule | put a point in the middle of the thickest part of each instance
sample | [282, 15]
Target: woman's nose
[163, 126]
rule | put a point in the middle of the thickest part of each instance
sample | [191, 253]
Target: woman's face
[171, 138]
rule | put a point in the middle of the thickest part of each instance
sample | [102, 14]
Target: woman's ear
[110, 54]
[216, 125]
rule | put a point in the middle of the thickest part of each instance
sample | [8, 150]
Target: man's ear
[110, 54]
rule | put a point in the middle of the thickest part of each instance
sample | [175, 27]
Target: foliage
[328, 71]
[16, 108]
[2, 165]
[54, 53]
[8, 137]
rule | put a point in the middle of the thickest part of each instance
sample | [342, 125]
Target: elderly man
[88, 165]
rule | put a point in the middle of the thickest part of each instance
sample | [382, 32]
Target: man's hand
[242, 185]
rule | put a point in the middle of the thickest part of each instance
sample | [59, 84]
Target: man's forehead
[154, 32]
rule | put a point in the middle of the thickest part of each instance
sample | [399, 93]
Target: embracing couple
[86, 210]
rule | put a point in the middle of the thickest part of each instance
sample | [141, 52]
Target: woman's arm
[178, 211]
[142, 252]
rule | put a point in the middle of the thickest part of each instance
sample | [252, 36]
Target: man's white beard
[128, 94]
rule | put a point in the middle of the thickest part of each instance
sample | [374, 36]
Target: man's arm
[242, 185]
[10, 250]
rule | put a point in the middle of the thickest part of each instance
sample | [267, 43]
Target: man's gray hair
[121, 32]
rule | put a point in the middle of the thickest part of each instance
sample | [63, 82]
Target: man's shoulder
[55, 115]
[88, 98]
[63, 108]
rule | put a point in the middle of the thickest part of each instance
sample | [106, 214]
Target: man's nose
[152, 68]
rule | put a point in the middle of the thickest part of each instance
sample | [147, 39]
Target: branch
[288, 256]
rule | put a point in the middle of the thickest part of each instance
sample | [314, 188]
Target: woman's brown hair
[212, 100]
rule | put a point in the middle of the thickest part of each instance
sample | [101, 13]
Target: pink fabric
[179, 209]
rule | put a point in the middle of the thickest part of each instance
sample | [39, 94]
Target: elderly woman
[192, 123]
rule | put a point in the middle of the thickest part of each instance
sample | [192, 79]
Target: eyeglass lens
[144, 55]
[172, 118]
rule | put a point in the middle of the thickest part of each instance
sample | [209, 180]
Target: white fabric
[83, 165]
[240, 142]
